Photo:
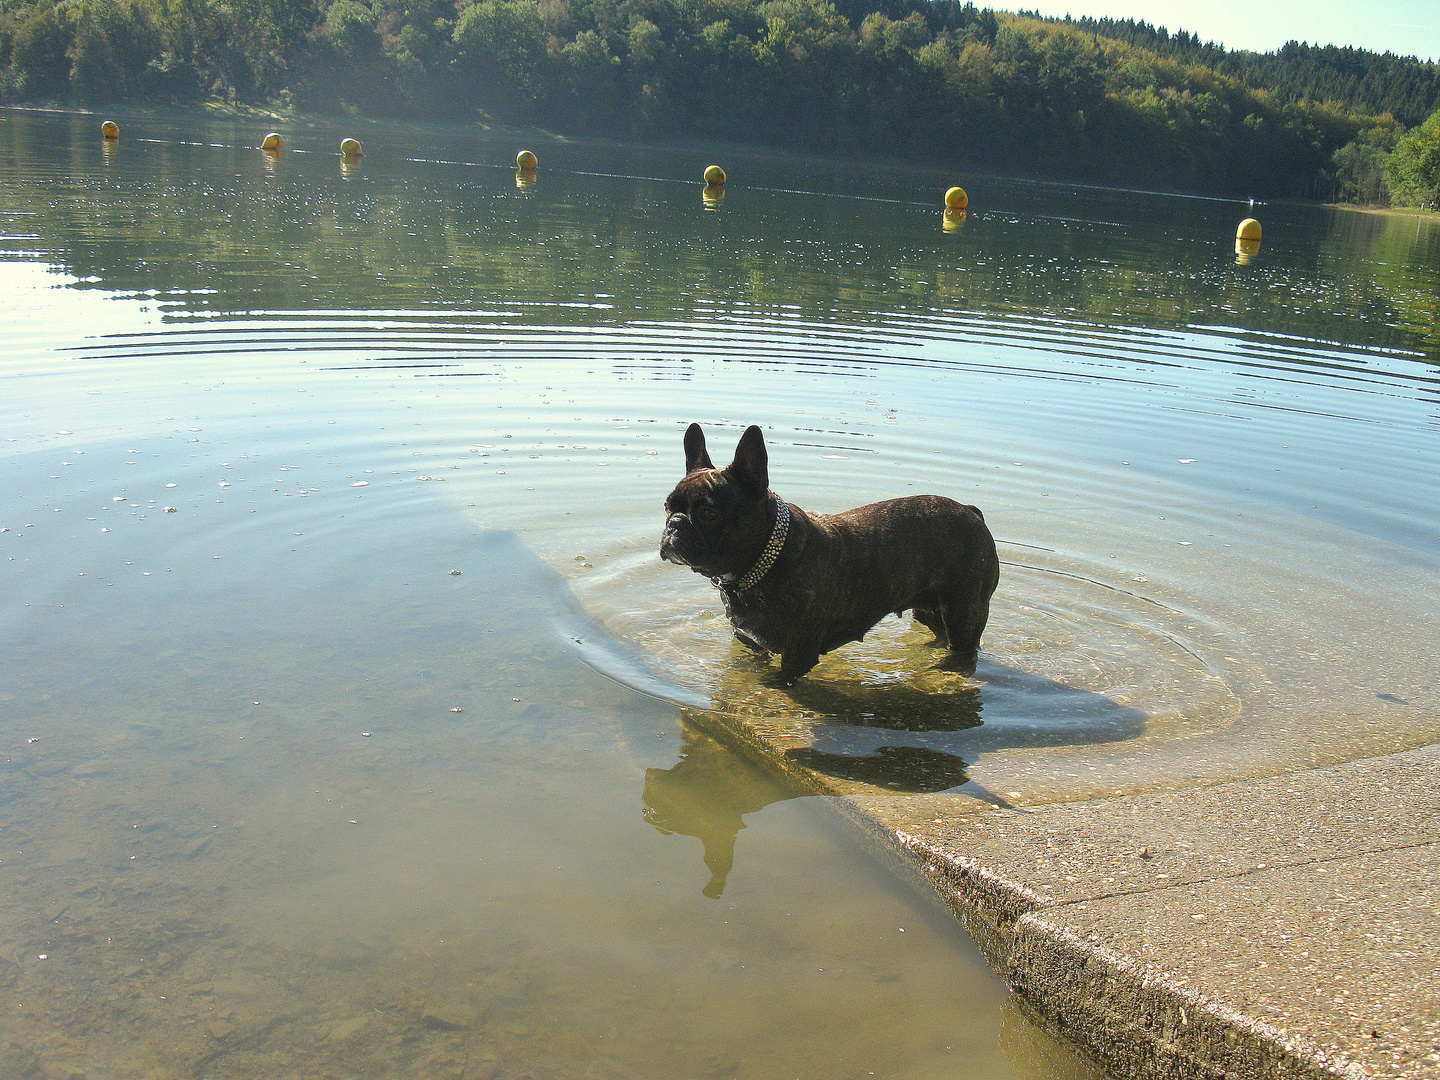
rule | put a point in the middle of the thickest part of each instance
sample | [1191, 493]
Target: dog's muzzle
[677, 542]
[668, 551]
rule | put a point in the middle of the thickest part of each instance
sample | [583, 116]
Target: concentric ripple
[326, 491]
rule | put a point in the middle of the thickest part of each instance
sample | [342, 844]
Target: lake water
[352, 726]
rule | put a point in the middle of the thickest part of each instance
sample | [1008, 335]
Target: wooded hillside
[936, 81]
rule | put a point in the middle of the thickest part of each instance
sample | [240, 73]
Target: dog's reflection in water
[706, 794]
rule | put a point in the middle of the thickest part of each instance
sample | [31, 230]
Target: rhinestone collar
[762, 566]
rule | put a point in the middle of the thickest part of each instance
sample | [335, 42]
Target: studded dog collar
[762, 566]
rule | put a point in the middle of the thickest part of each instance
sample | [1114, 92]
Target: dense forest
[921, 80]
[1361, 81]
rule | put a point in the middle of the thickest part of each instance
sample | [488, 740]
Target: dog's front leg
[797, 660]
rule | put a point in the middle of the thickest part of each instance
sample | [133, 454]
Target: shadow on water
[951, 709]
[934, 708]
[739, 755]
[909, 769]
[953, 706]
[853, 746]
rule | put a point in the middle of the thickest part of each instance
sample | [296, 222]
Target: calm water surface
[351, 725]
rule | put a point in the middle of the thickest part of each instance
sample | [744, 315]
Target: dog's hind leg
[966, 605]
[965, 617]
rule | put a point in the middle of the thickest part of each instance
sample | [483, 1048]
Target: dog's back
[924, 553]
[801, 584]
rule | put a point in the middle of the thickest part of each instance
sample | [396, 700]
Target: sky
[1404, 27]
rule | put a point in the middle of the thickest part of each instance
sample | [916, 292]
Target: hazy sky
[1405, 27]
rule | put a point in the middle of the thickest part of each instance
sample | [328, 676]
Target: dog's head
[717, 521]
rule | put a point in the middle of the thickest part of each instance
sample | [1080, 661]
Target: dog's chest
[760, 618]
[778, 623]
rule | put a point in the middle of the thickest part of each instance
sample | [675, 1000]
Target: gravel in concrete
[1302, 911]
[1286, 926]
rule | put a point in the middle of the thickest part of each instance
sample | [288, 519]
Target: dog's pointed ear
[696, 456]
[751, 465]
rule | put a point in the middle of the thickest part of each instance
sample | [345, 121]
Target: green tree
[646, 41]
[1413, 170]
[1360, 165]
[269, 34]
[350, 26]
[38, 54]
[802, 29]
[508, 34]
[114, 42]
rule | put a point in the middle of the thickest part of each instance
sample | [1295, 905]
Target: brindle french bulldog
[800, 584]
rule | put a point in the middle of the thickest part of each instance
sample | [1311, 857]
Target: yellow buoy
[273, 141]
[956, 199]
[526, 161]
[1246, 250]
[351, 148]
[110, 129]
[1249, 229]
[715, 175]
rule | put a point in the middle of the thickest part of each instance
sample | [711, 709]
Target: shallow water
[287, 795]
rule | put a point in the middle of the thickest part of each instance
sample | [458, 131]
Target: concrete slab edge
[1123, 1015]
[1130, 1019]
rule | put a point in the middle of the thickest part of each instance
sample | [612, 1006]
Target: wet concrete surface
[1274, 927]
